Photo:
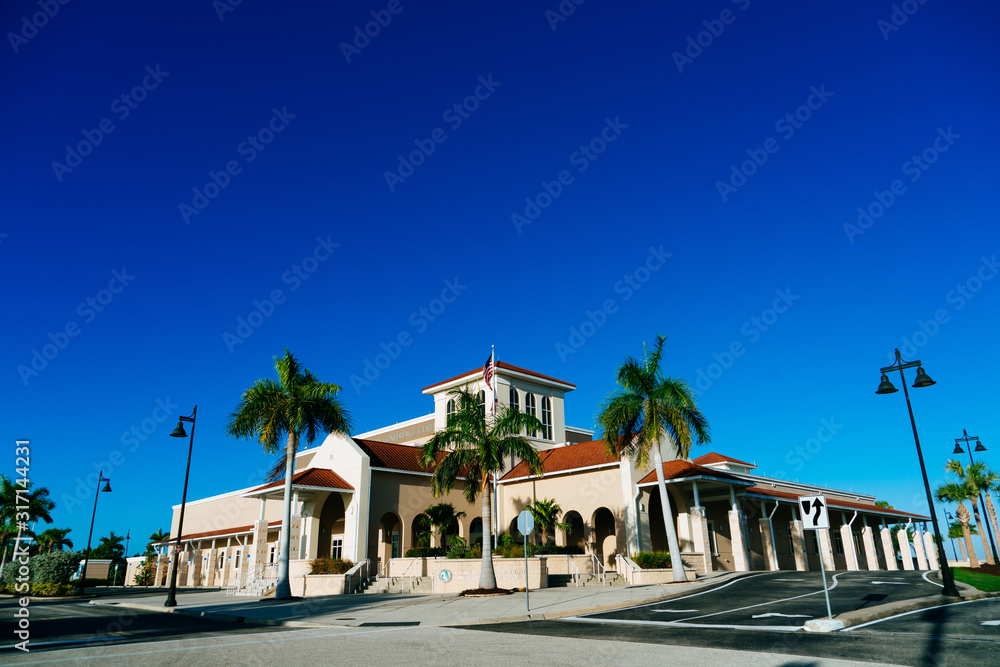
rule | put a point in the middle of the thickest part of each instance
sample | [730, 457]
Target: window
[815, 541]
[546, 418]
[337, 548]
[395, 545]
[482, 402]
[450, 410]
[529, 409]
[838, 543]
[712, 543]
[515, 403]
[271, 553]
[236, 564]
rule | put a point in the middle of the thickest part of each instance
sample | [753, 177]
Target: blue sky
[182, 168]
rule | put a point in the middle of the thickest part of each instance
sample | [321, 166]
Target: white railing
[574, 571]
[349, 576]
[598, 567]
[253, 582]
[626, 568]
[403, 577]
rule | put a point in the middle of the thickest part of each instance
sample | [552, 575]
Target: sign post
[526, 524]
[815, 517]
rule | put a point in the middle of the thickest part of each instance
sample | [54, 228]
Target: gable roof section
[319, 478]
[680, 469]
[562, 459]
[505, 366]
[713, 457]
[393, 456]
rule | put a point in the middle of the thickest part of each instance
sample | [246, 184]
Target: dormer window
[546, 418]
[449, 410]
[482, 402]
[515, 402]
[529, 408]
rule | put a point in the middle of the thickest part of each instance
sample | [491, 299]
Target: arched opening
[420, 531]
[331, 528]
[389, 537]
[605, 541]
[476, 532]
[657, 531]
[575, 533]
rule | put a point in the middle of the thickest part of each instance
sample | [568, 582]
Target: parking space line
[693, 595]
[915, 611]
[932, 582]
[681, 624]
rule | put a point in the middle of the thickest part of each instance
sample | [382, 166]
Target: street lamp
[128, 534]
[97, 494]
[179, 433]
[950, 519]
[967, 439]
[922, 380]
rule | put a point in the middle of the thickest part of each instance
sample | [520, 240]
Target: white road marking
[70, 641]
[679, 624]
[990, 623]
[894, 583]
[789, 579]
[694, 595]
[676, 611]
[770, 614]
[932, 582]
[915, 611]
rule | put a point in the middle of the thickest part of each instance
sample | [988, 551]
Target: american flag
[488, 372]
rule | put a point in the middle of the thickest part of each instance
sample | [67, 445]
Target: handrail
[349, 576]
[575, 573]
[626, 568]
[598, 567]
[402, 577]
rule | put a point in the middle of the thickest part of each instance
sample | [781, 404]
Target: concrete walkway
[396, 609]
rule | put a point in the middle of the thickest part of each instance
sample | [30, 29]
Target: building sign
[411, 433]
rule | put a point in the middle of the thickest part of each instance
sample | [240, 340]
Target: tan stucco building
[362, 497]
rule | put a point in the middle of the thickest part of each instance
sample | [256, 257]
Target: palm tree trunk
[283, 590]
[963, 517]
[487, 577]
[982, 533]
[992, 512]
[676, 564]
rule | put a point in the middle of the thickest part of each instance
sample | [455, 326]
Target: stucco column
[213, 567]
[931, 551]
[683, 530]
[826, 548]
[699, 535]
[182, 572]
[888, 551]
[259, 552]
[295, 534]
[770, 555]
[197, 559]
[161, 569]
[799, 545]
[904, 548]
[871, 556]
[739, 541]
[850, 555]
[918, 548]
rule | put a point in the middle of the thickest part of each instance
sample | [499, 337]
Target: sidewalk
[396, 609]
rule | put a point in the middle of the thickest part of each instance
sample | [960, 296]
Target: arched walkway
[390, 538]
[575, 534]
[331, 527]
[420, 530]
[476, 531]
[605, 541]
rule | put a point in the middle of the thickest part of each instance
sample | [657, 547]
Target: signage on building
[814, 512]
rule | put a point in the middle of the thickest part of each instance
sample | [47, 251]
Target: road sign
[814, 512]
[525, 522]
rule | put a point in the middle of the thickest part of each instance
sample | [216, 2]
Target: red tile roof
[679, 469]
[712, 457]
[835, 502]
[393, 456]
[570, 457]
[216, 533]
[317, 477]
[506, 366]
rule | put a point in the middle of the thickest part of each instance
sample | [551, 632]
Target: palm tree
[17, 501]
[645, 411]
[443, 517]
[296, 406]
[546, 515]
[976, 476]
[958, 493]
[112, 546]
[955, 533]
[159, 536]
[54, 538]
[473, 446]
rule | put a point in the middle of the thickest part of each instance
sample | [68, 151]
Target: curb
[218, 618]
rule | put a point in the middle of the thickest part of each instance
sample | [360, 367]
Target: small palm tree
[646, 411]
[473, 446]
[546, 515]
[111, 546]
[158, 536]
[958, 493]
[296, 406]
[54, 539]
[976, 475]
[443, 517]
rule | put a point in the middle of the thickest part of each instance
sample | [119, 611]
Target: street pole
[90, 535]
[172, 593]
[989, 531]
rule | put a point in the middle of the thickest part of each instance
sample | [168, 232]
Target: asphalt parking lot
[775, 600]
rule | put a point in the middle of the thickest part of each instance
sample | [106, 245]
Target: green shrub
[9, 575]
[146, 573]
[54, 568]
[424, 552]
[48, 590]
[652, 561]
[330, 566]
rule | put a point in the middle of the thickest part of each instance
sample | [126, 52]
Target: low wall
[320, 584]
[409, 567]
[559, 564]
[297, 571]
[695, 561]
[658, 576]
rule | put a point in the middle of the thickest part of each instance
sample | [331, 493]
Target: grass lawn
[981, 580]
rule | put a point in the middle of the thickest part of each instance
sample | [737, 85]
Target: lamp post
[128, 533]
[953, 550]
[922, 380]
[97, 494]
[967, 439]
[179, 433]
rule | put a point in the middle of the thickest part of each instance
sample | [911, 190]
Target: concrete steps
[586, 579]
[410, 585]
